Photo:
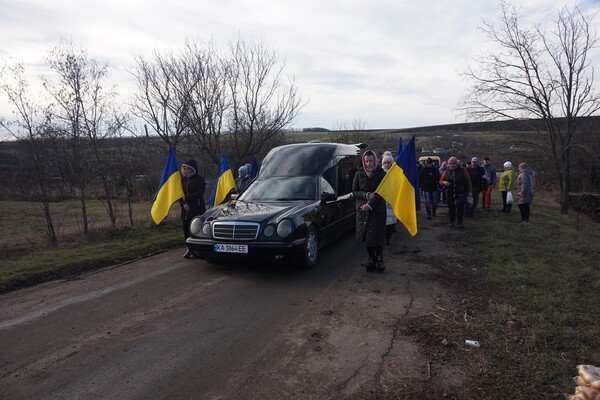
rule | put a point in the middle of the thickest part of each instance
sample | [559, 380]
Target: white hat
[507, 164]
[475, 159]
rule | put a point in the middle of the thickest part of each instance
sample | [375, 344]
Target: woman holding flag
[370, 210]
[192, 203]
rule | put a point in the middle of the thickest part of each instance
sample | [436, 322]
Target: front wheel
[311, 248]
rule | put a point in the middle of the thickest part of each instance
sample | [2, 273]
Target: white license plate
[231, 248]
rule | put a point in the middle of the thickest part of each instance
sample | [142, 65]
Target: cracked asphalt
[167, 327]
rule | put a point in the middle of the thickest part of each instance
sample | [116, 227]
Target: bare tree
[81, 115]
[341, 133]
[158, 100]
[262, 104]
[235, 103]
[30, 129]
[543, 75]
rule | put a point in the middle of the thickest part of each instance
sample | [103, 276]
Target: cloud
[390, 63]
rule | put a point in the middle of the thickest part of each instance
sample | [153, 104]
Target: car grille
[235, 230]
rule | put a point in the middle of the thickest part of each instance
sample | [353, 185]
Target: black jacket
[429, 178]
[193, 190]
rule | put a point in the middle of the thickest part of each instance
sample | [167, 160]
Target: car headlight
[269, 230]
[206, 229]
[196, 226]
[285, 228]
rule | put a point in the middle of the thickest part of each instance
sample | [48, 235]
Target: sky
[386, 63]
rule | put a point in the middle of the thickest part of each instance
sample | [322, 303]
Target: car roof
[304, 158]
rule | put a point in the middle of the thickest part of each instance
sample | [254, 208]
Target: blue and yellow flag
[400, 187]
[169, 189]
[255, 168]
[223, 184]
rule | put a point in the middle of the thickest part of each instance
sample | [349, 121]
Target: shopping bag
[509, 198]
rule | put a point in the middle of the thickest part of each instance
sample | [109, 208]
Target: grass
[29, 259]
[531, 296]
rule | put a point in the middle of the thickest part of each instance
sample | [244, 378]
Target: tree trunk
[84, 212]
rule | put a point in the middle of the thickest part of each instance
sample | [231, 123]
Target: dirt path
[336, 332]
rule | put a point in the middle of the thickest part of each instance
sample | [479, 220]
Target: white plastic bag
[509, 198]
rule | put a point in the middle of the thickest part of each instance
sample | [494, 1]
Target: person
[429, 178]
[370, 210]
[506, 183]
[458, 183]
[524, 190]
[443, 168]
[390, 218]
[243, 179]
[476, 173]
[192, 203]
[490, 180]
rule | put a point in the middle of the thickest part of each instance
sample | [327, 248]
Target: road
[168, 327]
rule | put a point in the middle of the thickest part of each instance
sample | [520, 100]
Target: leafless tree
[542, 75]
[81, 115]
[234, 102]
[158, 100]
[262, 103]
[344, 134]
[30, 129]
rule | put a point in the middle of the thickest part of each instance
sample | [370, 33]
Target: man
[490, 177]
[458, 183]
[429, 178]
[476, 173]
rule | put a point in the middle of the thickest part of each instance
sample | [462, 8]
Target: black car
[300, 201]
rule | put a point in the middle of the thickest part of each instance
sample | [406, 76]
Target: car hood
[256, 211]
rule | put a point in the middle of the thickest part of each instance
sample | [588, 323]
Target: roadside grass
[530, 294]
[27, 258]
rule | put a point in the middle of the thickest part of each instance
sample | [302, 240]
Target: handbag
[509, 198]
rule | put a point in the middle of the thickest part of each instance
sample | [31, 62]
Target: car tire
[311, 248]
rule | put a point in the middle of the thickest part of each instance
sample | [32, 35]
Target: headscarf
[376, 162]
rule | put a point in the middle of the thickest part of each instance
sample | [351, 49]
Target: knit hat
[507, 164]
[388, 159]
[475, 159]
[243, 169]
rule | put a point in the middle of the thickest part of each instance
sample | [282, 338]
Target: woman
[192, 203]
[506, 183]
[457, 182]
[524, 190]
[370, 210]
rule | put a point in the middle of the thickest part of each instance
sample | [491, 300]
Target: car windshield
[281, 189]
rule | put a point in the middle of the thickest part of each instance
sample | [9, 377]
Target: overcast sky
[388, 63]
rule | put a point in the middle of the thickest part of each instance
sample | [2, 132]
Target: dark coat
[476, 173]
[193, 194]
[370, 226]
[460, 185]
[429, 179]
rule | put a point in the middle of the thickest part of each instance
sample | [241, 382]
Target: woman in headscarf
[370, 210]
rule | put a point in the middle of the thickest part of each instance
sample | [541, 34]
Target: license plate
[231, 248]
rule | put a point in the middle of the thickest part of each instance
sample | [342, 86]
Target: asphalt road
[161, 327]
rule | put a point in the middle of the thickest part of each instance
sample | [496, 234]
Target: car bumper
[257, 251]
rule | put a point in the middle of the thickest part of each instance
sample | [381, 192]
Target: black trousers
[524, 209]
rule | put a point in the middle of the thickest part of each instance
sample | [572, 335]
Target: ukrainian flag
[400, 187]
[169, 189]
[223, 184]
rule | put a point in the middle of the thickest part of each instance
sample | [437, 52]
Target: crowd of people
[459, 187]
